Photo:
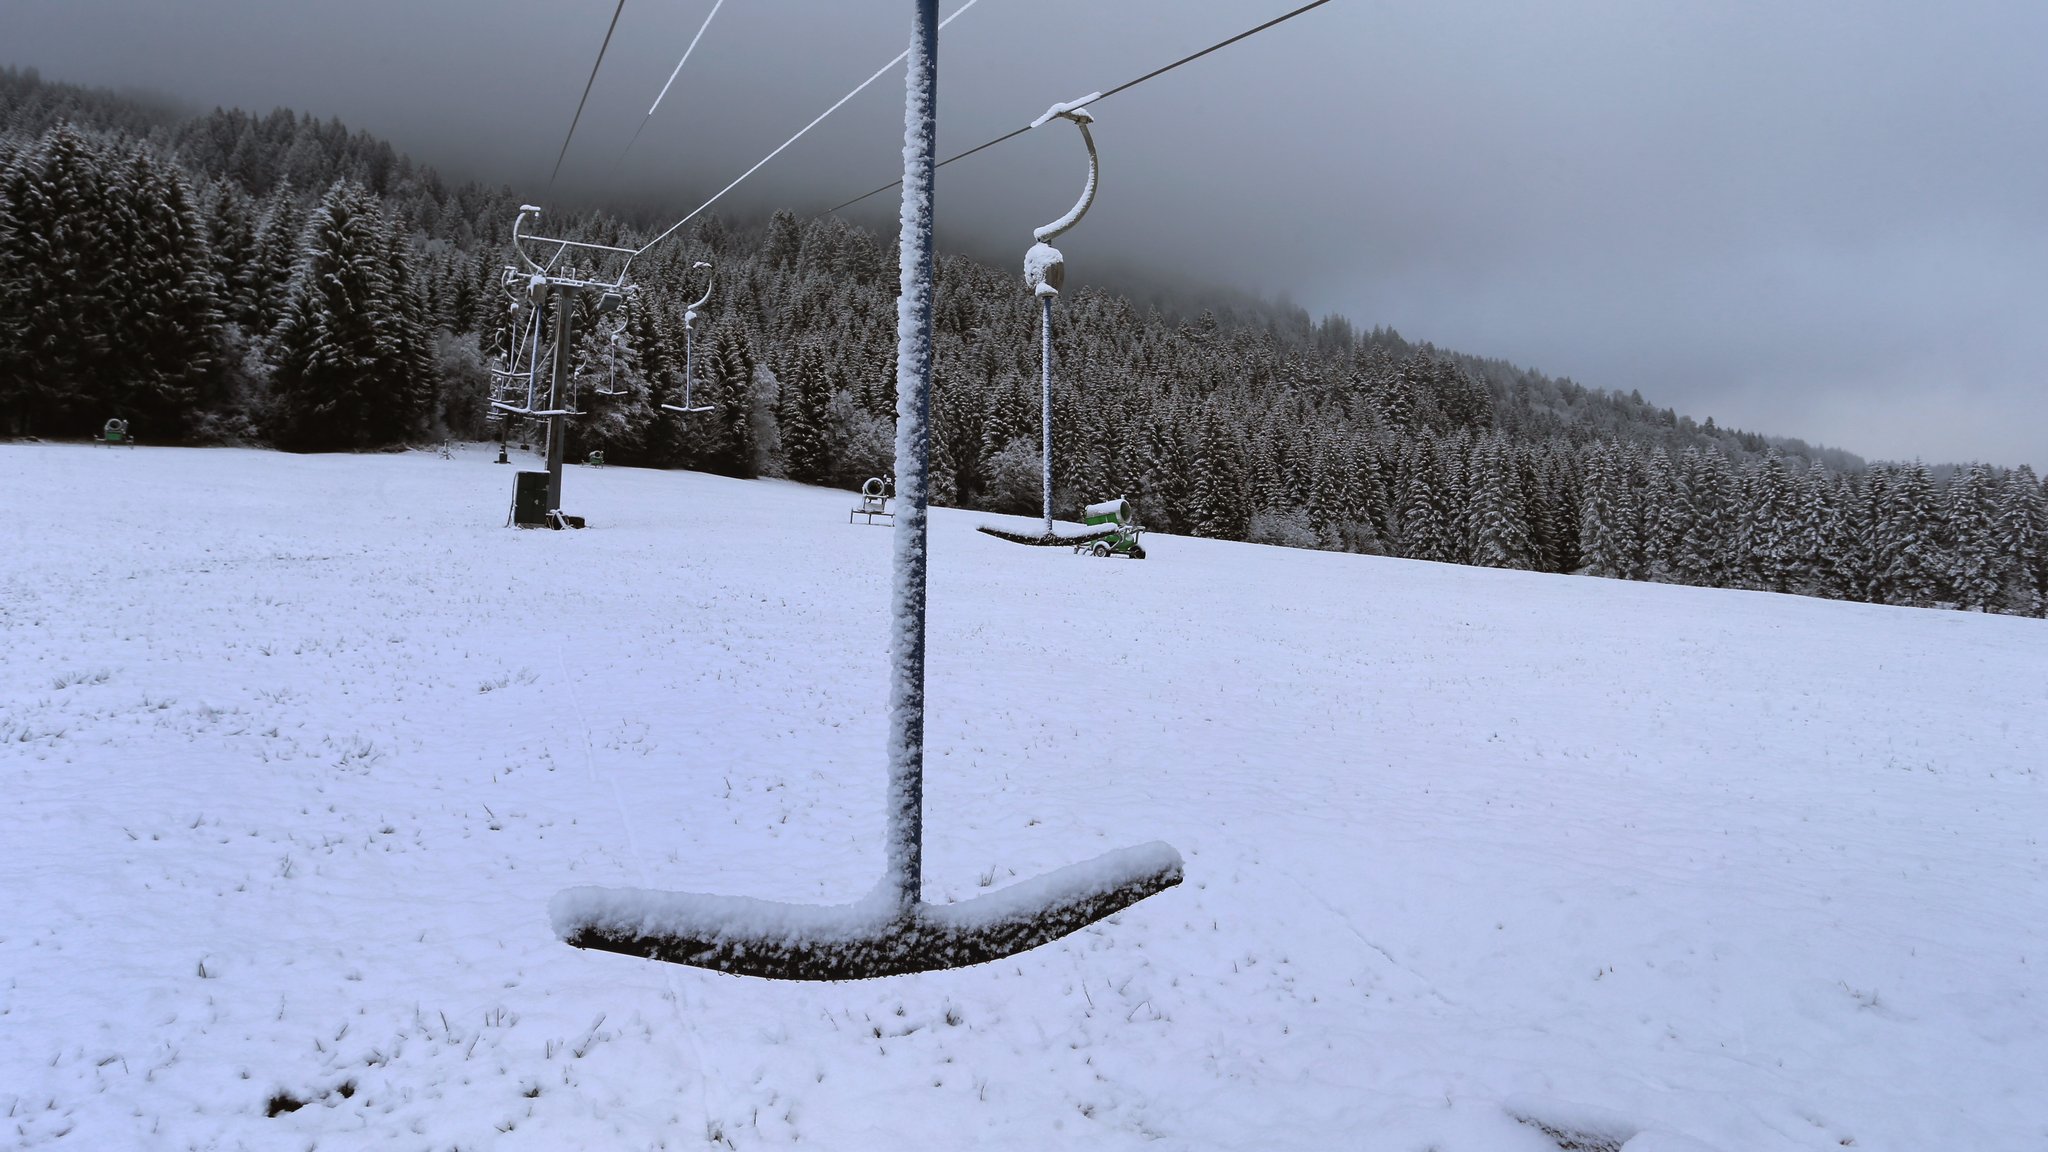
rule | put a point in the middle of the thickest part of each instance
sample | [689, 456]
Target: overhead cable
[586, 92]
[879, 73]
[665, 87]
[1282, 19]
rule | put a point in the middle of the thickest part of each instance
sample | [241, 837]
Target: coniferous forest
[279, 280]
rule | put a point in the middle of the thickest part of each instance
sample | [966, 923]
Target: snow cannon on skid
[874, 500]
[1118, 515]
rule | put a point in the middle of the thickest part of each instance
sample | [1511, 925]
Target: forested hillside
[279, 279]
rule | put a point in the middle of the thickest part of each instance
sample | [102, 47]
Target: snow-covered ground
[294, 751]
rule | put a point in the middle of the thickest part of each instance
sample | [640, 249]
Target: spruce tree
[2021, 540]
[166, 325]
[1811, 553]
[1849, 540]
[1702, 554]
[1630, 484]
[1562, 495]
[806, 390]
[1666, 515]
[1326, 496]
[60, 304]
[654, 335]
[1454, 492]
[231, 238]
[1499, 523]
[729, 428]
[785, 240]
[947, 433]
[1607, 521]
[1766, 526]
[1973, 568]
[1165, 487]
[409, 356]
[11, 383]
[1425, 527]
[1909, 556]
[1217, 500]
[332, 347]
[1388, 390]
[1266, 481]
[1367, 466]
[268, 279]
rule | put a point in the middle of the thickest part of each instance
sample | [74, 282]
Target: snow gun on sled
[1122, 520]
[893, 930]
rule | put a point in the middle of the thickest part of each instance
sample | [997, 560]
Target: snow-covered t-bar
[892, 931]
[874, 937]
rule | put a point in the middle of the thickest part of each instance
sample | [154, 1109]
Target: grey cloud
[1821, 219]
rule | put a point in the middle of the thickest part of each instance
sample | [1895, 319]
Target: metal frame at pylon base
[894, 931]
[554, 272]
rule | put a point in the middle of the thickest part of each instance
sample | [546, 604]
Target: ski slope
[294, 752]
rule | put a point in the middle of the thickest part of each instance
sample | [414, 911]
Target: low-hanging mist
[1824, 220]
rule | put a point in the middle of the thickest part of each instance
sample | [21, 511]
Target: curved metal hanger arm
[1073, 111]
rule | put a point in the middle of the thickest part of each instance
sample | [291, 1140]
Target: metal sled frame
[893, 931]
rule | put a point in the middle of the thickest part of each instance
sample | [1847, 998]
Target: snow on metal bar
[579, 244]
[1047, 539]
[871, 938]
[1073, 106]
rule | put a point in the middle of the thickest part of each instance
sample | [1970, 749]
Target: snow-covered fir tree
[806, 394]
[1216, 419]
[60, 305]
[1973, 561]
[344, 363]
[167, 324]
[727, 443]
[1907, 565]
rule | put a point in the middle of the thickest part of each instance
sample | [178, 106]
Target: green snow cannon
[1119, 515]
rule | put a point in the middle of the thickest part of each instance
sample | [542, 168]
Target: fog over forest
[1822, 222]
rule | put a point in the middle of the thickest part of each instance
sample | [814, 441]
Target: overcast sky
[1824, 220]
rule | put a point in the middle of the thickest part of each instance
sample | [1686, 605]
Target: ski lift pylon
[547, 275]
[893, 930]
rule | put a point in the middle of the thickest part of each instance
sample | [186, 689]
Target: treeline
[282, 280]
